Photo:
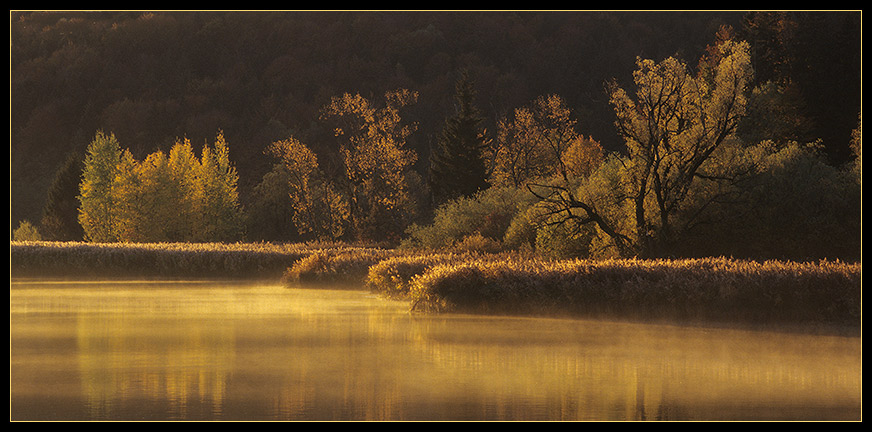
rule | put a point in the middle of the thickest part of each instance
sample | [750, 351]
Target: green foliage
[817, 56]
[606, 191]
[792, 206]
[96, 213]
[488, 214]
[564, 240]
[547, 235]
[521, 232]
[775, 113]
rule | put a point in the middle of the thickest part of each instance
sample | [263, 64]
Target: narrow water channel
[247, 351]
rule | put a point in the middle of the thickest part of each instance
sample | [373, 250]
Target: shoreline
[818, 298]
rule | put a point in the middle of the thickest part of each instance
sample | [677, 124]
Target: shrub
[26, 232]
[567, 240]
[794, 206]
[344, 265]
[488, 214]
[477, 243]
[393, 276]
[521, 232]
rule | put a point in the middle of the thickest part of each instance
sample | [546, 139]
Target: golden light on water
[226, 352]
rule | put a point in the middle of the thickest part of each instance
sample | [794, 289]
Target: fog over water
[248, 351]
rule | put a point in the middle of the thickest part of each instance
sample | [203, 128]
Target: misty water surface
[247, 351]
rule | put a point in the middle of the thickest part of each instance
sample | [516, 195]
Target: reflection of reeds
[693, 290]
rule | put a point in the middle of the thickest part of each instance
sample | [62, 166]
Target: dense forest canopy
[153, 78]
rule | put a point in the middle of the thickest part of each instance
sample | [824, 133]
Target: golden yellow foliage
[177, 197]
[582, 157]
[537, 143]
[317, 208]
[375, 161]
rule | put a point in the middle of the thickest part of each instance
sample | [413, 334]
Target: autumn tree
[583, 156]
[163, 198]
[535, 144]
[316, 208]
[183, 192]
[96, 211]
[142, 208]
[202, 193]
[672, 126]
[457, 165]
[156, 199]
[218, 206]
[375, 162]
[126, 196]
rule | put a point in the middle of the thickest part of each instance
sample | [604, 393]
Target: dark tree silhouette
[60, 218]
[457, 166]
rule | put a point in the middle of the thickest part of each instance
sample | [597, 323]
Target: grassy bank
[712, 290]
[157, 260]
[821, 296]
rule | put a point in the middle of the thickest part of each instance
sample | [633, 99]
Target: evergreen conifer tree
[457, 167]
[60, 220]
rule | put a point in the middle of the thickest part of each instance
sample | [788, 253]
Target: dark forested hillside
[152, 78]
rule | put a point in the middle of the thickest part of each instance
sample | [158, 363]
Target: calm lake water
[245, 351]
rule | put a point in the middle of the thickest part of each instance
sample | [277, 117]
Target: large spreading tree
[672, 126]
